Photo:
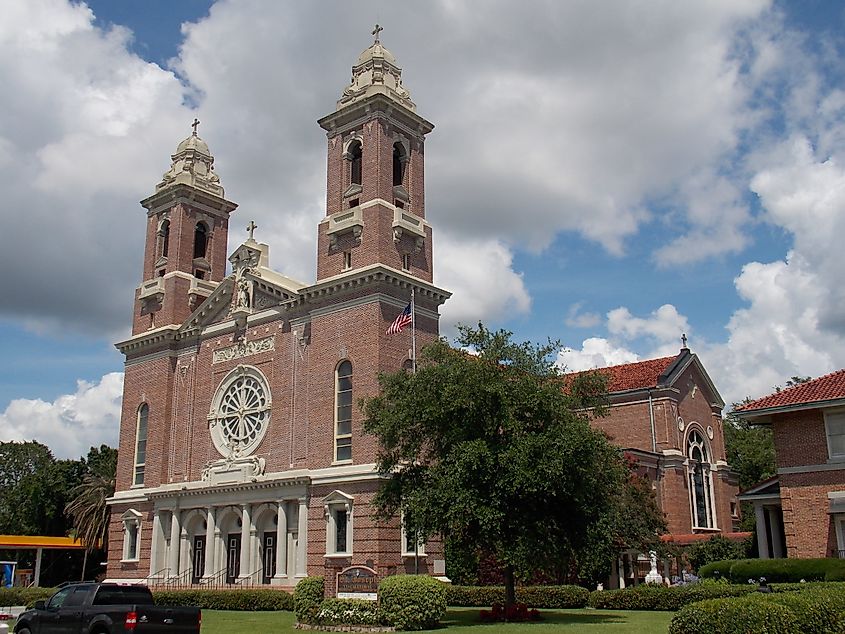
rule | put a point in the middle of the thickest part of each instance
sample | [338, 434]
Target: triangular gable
[684, 361]
[214, 309]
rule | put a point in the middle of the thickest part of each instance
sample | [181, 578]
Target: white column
[155, 543]
[210, 546]
[175, 544]
[301, 559]
[762, 541]
[774, 525]
[185, 551]
[281, 541]
[246, 526]
[37, 581]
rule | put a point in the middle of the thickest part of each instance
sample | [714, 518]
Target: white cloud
[73, 422]
[576, 318]
[663, 326]
[484, 285]
[595, 352]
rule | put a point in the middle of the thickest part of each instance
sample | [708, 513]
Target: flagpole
[413, 334]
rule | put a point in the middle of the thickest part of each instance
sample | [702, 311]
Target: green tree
[87, 508]
[493, 448]
[34, 488]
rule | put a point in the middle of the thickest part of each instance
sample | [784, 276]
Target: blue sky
[608, 179]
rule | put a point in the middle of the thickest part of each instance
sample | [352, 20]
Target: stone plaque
[357, 582]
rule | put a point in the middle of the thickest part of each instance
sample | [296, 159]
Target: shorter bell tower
[375, 201]
[187, 231]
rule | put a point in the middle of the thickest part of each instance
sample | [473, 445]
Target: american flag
[401, 321]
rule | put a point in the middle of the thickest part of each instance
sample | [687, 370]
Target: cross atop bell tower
[187, 230]
[375, 202]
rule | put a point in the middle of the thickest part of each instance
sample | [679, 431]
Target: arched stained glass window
[700, 481]
[141, 444]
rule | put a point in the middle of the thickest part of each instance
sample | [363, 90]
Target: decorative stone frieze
[244, 349]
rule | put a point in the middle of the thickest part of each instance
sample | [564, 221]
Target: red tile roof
[634, 376]
[825, 388]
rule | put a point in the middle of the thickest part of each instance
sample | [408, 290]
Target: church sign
[357, 582]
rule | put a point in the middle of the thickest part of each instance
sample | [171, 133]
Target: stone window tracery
[700, 480]
[240, 412]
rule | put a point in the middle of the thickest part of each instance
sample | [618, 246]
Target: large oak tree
[488, 446]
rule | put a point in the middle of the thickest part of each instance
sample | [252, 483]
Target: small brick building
[242, 459]
[805, 503]
[667, 415]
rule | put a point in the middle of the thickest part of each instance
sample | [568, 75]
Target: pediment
[214, 309]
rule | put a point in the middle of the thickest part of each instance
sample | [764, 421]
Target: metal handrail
[217, 580]
[250, 580]
[180, 581]
[158, 575]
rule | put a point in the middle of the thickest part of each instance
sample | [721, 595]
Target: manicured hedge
[662, 598]
[24, 596]
[553, 597]
[717, 569]
[777, 570]
[734, 616]
[245, 599]
[307, 596]
[411, 602]
[814, 611]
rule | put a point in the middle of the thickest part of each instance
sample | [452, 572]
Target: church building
[242, 458]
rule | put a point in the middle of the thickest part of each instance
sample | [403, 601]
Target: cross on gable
[251, 227]
[194, 125]
[376, 31]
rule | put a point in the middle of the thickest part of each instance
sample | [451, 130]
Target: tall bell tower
[375, 202]
[187, 230]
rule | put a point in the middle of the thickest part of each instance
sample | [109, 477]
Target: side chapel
[242, 458]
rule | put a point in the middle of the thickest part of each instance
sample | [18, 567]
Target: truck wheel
[24, 630]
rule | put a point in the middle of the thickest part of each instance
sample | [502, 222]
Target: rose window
[240, 412]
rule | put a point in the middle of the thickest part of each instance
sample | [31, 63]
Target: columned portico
[267, 529]
[768, 516]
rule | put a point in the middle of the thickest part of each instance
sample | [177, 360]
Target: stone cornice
[377, 106]
[368, 275]
[165, 334]
[182, 193]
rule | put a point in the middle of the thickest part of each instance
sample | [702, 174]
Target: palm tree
[90, 513]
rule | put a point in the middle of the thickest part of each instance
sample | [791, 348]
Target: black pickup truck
[106, 608]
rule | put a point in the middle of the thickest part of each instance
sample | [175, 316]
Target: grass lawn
[460, 620]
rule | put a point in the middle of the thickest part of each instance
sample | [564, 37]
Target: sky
[607, 175]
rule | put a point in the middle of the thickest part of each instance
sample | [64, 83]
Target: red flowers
[514, 613]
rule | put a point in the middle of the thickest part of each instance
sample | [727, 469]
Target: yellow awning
[38, 541]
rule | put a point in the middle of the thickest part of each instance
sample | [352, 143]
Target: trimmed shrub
[661, 598]
[723, 568]
[347, 612]
[786, 570]
[779, 570]
[412, 602]
[246, 599]
[552, 597]
[734, 616]
[24, 596]
[809, 586]
[816, 611]
[307, 597]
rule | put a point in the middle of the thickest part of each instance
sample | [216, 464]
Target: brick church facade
[241, 458]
